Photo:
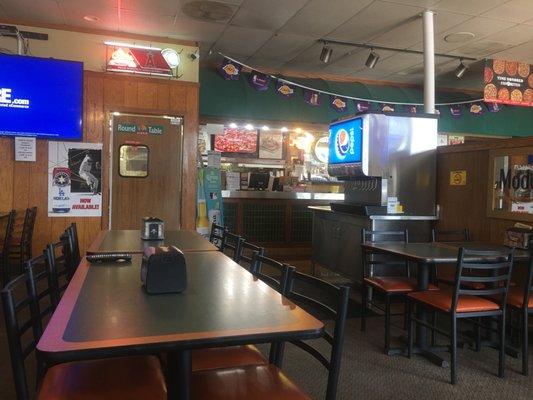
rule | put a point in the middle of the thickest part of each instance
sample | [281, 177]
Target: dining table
[426, 256]
[129, 241]
[106, 312]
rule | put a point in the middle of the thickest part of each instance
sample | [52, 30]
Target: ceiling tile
[156, 25]
[100, 8]
[284, 46]
[43, 10]
[190, 29]
[418, 3]
[151, 7]
[374, 20]
[481, 48]
[513, 11]
[356, 60]
[399, 61]
[471, 7]
[310, 56]
[515, 35]
[242, 41]
[522, 53]
[318, 18]
[271, 16]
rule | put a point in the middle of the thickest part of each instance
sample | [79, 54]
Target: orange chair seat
[442, 300]
[394, 284]
[515, 298]
[226, 357]
[258, 382]
[449, 279]
[125, 378]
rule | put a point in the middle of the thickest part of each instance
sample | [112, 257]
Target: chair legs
[453, 350]
[387, 324]
[410, 335]
[525, 339]
[501, 366]
[477, 332]
[364, 299]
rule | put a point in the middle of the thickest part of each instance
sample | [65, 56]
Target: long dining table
[426, 256]
[105, 312]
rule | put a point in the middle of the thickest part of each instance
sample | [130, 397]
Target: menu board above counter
[235, 142]
[508, 82]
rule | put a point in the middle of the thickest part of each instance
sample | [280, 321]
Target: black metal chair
[262, 382]
[493, 269]
[246, 254]
[57, 260]
[277, 275]
[217, 235]
[446, 273]
[6, 229]
[21, 246]
[72, 232]
[22, 300]
[232, 243]
[387, 276]
[520, 301]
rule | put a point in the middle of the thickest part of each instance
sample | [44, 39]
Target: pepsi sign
[345, 141]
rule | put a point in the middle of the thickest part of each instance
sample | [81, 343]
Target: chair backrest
[528, 288]
[382, 264]
[336, 309]
[60, 269]
[6, 226]
[72, 232]
[278, 275]
[29, 224]
[459, 235]
[21, 300]
[246, 254]
[231, 245]
[492, 268]
[217, 235]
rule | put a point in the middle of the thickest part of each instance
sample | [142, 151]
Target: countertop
[376, 217]
[265, 194]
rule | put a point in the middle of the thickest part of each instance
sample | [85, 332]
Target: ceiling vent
[210, 11]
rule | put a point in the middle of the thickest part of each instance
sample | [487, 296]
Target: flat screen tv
[346, 141]
[236, 142]
[41, 97]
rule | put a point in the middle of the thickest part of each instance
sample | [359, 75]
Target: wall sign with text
[74, 179]
[145, 61]
[508, 82]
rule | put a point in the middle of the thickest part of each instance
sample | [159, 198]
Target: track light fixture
[325, 54]
[460, 70]
[372, 59]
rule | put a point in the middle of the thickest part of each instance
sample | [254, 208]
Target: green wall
[238, 100]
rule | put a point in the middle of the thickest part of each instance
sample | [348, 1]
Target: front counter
[337, 237]
[278, 219]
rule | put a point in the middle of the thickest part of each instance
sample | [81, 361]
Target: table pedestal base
[179, 375]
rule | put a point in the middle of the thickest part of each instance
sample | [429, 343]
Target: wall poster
[74, 179]
[271, 145]
[508, 82]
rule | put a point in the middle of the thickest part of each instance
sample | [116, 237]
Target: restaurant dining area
[266, 199]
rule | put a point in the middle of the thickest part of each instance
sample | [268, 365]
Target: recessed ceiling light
[459, 37]
[91, 18]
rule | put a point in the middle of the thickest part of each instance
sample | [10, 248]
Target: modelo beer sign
[518, 178]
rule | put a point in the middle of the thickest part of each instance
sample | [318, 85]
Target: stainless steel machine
[388, 163]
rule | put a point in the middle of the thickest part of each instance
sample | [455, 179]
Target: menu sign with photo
[508, 82]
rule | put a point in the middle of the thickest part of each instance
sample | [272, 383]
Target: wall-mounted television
[237, 142]
[41, 97]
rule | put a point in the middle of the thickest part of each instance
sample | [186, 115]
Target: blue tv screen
[41, 97]
[346, 141]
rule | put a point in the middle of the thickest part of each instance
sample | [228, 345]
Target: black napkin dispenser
[163, 270]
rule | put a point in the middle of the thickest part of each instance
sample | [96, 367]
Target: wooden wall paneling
[114, 91]
[6, 173]
[163, 97]
[131, 94]
[39, 185]
[147, 95]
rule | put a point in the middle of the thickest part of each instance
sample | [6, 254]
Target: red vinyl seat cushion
[258, 382]
[442, 300]
[515, 298]
[125, 378]
[394, 284]
[226, 357]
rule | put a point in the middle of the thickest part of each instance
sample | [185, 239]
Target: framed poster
[271, 145]
[74, 179]
[510, 192]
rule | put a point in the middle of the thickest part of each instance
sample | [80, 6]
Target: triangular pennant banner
[339, 104]
[456, 110]
[410, 109]
[494, 107]
[387, 108]
[230, 70]
[259, 81]
[476, 109]
[362, 106]
[312, 97]
[284, 89]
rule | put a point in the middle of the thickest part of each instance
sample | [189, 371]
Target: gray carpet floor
[369, 374]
